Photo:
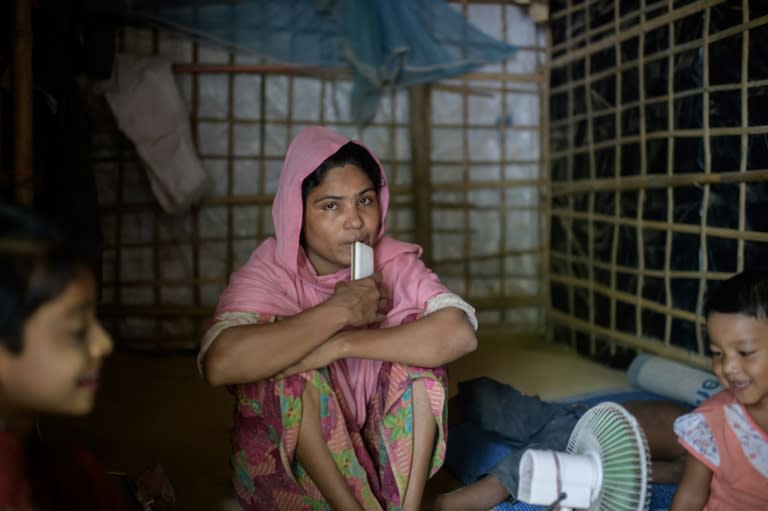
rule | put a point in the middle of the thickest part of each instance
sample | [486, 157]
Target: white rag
[148, 107]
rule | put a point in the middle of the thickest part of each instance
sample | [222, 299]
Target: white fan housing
[606, 466]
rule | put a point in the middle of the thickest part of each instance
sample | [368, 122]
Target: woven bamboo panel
[462, 157]
[659, 162]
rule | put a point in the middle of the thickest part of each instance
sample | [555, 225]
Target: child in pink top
[727, 436]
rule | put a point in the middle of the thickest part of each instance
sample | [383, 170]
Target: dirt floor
[156, 409]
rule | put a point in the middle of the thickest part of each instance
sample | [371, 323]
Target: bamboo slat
[633, 270]
[668, 239]
[642, 224]
[744, 97]
[545, 199]
[23, 156]
[632, 341]
[656, 181]
[481, 90]
[703, 240]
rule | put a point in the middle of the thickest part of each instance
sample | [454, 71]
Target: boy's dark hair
[36, 264]
[350, 153]
[744, 293]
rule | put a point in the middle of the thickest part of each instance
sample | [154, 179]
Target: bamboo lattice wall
[463, 155]
[659, 161]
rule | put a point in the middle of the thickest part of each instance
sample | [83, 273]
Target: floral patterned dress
[374, 459]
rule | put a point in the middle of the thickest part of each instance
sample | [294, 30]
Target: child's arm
[693, 491]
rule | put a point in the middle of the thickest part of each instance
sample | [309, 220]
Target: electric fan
[606, 466]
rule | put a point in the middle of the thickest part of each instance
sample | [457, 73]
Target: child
[51, 350]
[726, 437]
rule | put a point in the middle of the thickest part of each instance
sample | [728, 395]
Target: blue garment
[387, 43]
[510, 417]
[522, 422]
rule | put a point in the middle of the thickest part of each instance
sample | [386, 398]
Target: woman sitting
[340, 386]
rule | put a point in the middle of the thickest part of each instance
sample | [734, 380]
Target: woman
[339, 384]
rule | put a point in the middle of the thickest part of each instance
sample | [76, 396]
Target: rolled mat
[672, 379]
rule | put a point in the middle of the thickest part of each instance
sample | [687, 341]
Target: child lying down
[527, 422]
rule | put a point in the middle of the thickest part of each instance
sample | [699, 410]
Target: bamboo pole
[744, 94]
[639, 232]
[510, 77]
[278, 69]
[590, 200]
[486, 184]
[632, 270]
[616, 195]
[480, 207]
[195, 237]
[545, 175]
[703, 250]
[282, 69]
[22, 103]
[640, 224]
[421, 152]
[484, 90]
[670, 214]
[656, 181]
[571, 244]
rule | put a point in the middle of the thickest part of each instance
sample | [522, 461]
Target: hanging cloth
[148, 107]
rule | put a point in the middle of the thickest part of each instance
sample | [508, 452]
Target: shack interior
[583, 194]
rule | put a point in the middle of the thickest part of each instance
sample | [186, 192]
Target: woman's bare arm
[693, 491]
[249, 353]
[431, 341]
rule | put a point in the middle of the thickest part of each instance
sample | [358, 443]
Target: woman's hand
[367, 303]
[232, 358]
[363, 300]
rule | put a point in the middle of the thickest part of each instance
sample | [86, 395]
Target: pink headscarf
[279, 279]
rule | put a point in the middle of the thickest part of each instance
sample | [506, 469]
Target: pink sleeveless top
[721, 434]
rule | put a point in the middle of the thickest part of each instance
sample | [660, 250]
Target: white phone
[362, 260]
